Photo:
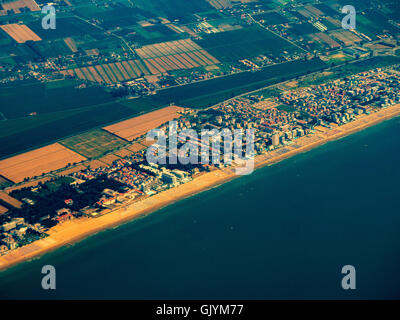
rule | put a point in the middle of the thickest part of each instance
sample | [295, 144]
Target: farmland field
[93, 143]
[118, 15]
[244, 43]
[175, 9]
[16, 6]
[37, 162]
[374, 23]
[10, 200]
[138, 126]
[66, 27]
[109, 159]
[175, 55]
[326, 9]
[20, 101]
[110, 72]
[48, 49]
[136, 147]
[270, 18]
[20, 33]
[153, 34]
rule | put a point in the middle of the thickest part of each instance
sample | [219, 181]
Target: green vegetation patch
[22, 100]
[182, 10]
[94, 143]
[66, 27]
[285, 107]
[270, 18]
[244, 43]
[303, 28]
[374, 23]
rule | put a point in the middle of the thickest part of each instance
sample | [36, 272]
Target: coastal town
[278, 122]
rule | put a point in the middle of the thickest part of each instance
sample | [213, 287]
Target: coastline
[75, 230]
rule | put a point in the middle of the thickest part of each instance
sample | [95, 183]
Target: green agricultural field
[65, 27]
[122, 16]
[154, 34]
[21, 100]
[360, 5]
[211, 15]
[94, 143]
[244, 43]
[327, 10]
[301, 29]
[394, 9]
[285, 107]
[48, 49]
[90, 11]
[270, 18]
[111, 44]
[141, 105]
[175, 9]
[373, 24]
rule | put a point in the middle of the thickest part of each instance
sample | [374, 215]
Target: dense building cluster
[341, 100]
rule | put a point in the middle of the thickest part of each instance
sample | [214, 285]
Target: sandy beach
[75, 230]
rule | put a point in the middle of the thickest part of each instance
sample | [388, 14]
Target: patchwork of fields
[326, 39]
[111, 72]
[155, 59]
[175, 55]
[346, 37]
[92, 144]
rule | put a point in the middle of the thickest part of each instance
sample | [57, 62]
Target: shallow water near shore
[283, 232]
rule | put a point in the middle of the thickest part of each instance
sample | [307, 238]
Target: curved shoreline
[78, 229]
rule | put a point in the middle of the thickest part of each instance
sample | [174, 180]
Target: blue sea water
[283, 232]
